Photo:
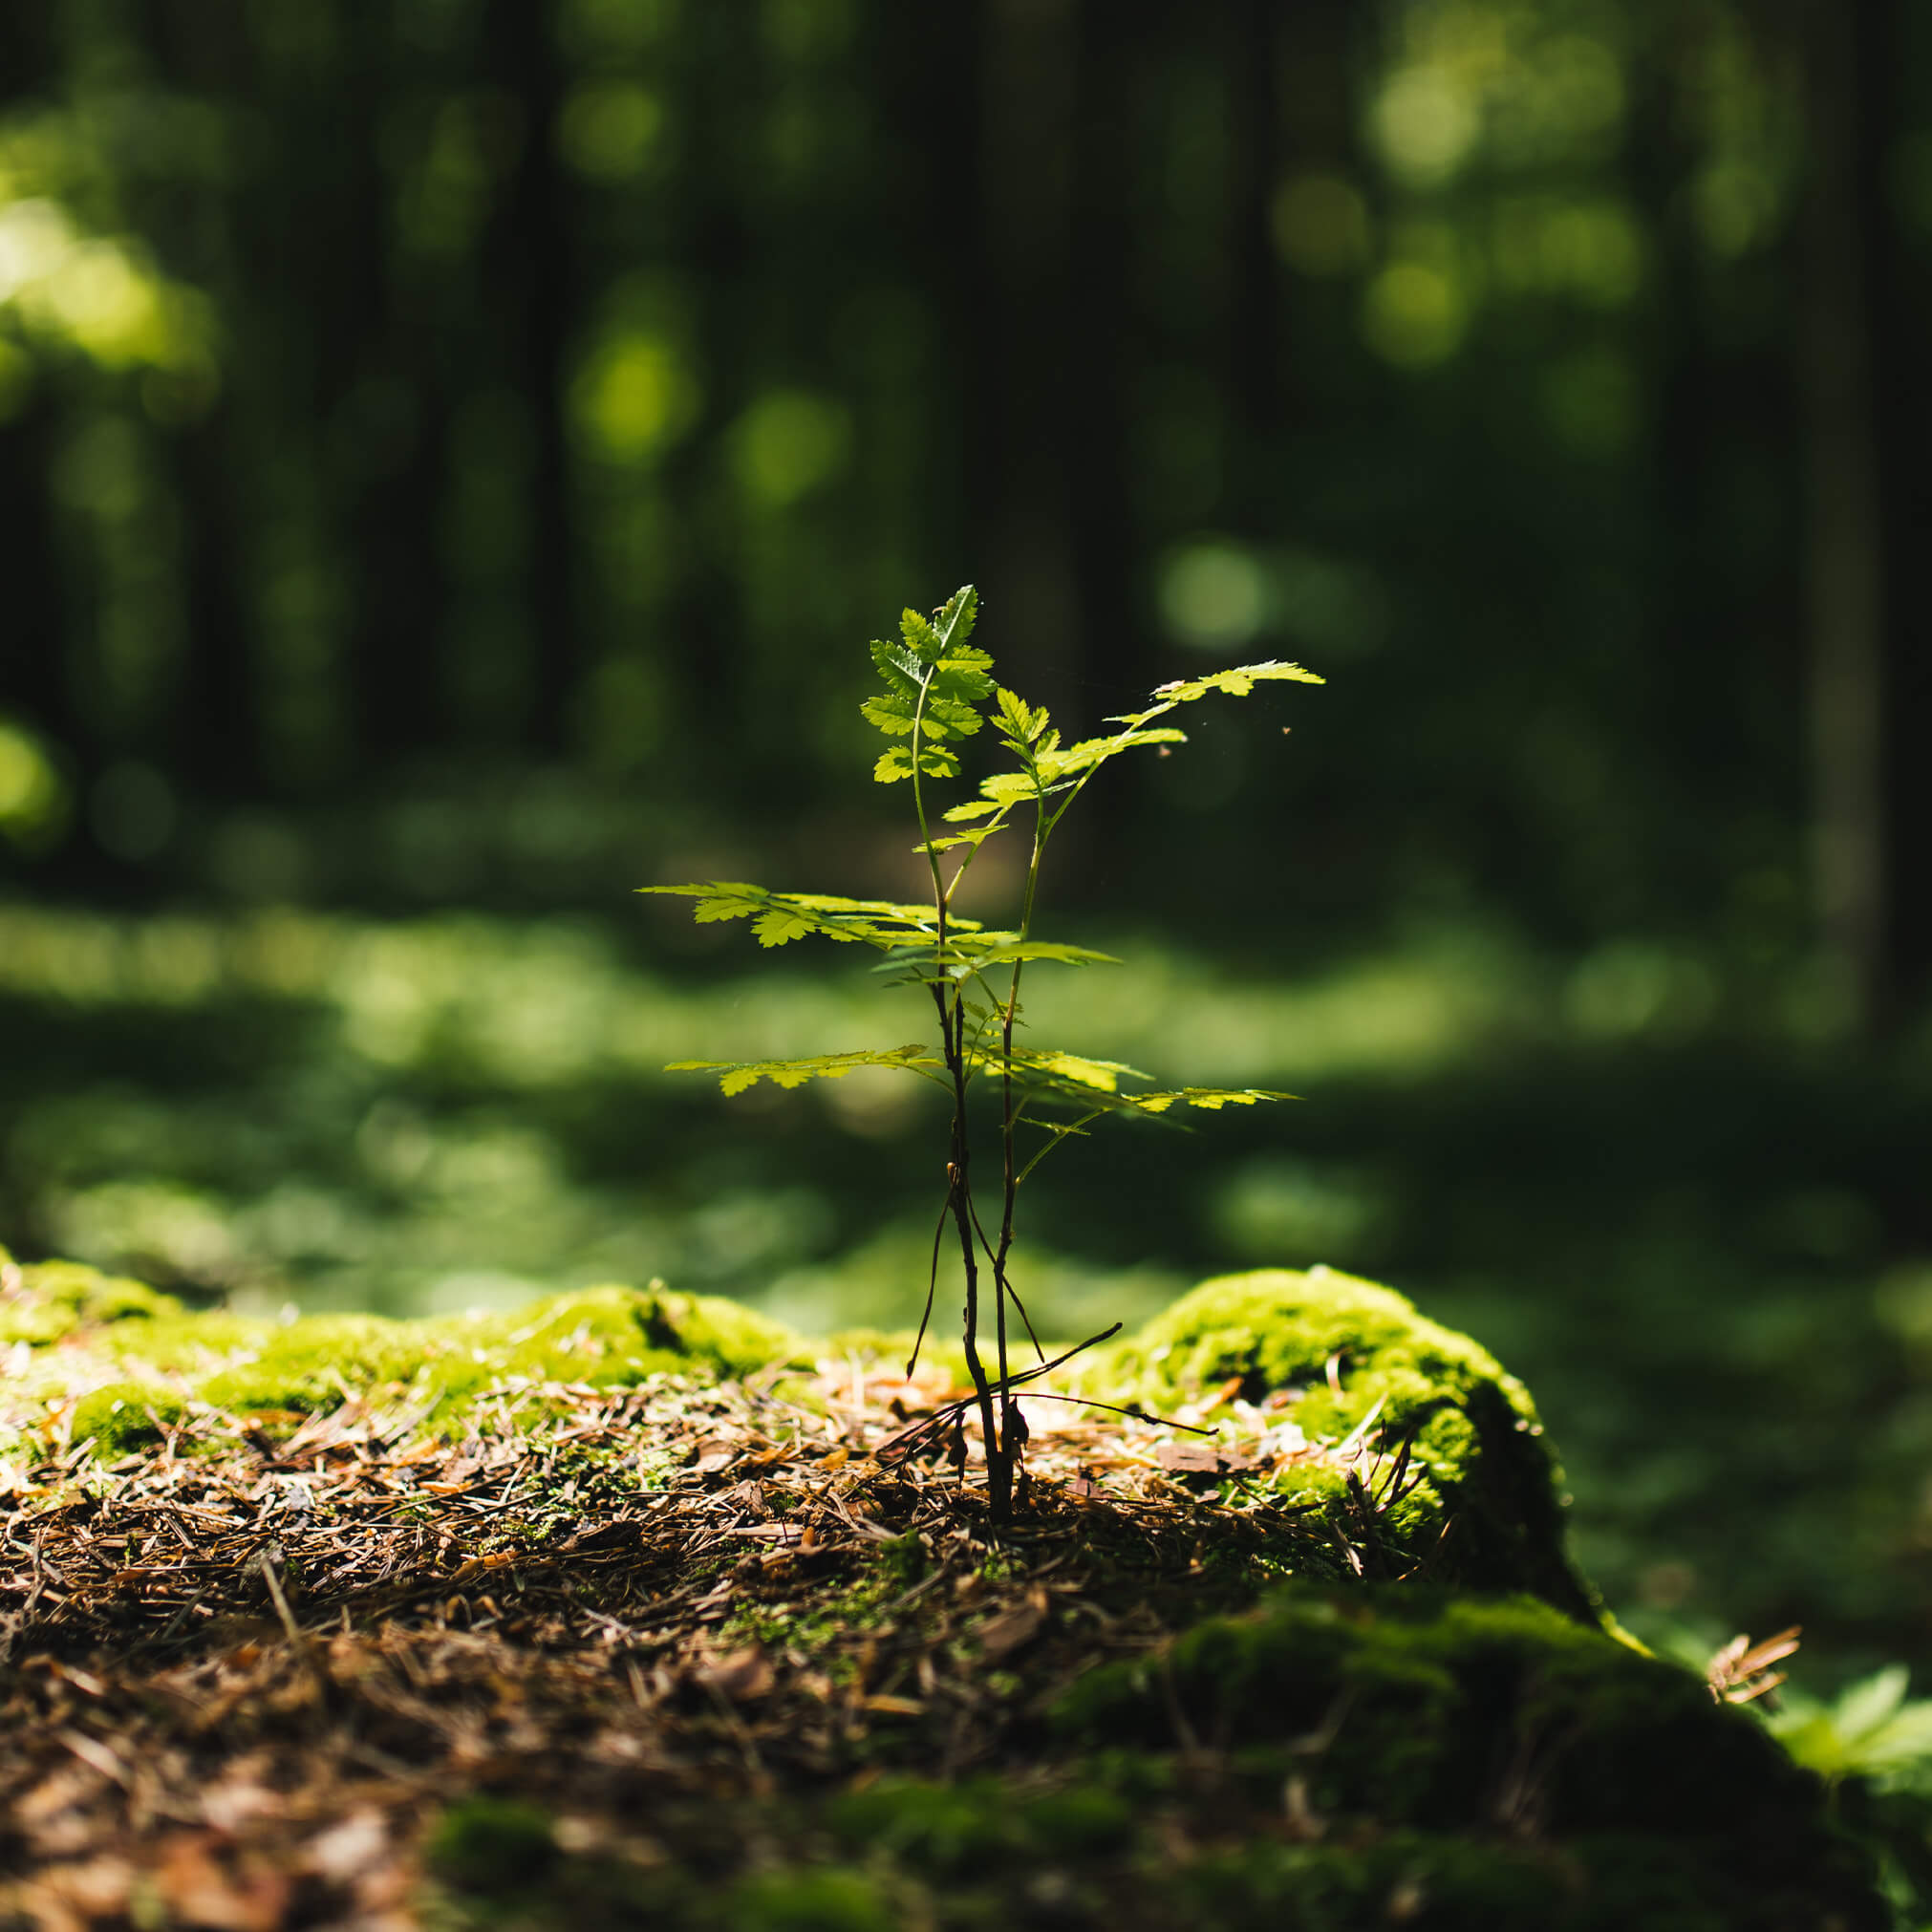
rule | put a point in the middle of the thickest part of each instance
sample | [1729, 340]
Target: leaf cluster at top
[935, 683]
[935, 687]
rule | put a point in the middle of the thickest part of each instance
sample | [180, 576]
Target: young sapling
[937, 691]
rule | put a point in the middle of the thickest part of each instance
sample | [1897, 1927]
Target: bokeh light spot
[1214, 594]
[790, 443]
[1414, 314]
[1320, 225]
[1426, 124]
[33, 799]
[609, 131]
[632, 396]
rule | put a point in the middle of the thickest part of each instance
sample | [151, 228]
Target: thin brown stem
[953, 1037]
[1010, 1122]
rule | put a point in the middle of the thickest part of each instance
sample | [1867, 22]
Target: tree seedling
[939, 691]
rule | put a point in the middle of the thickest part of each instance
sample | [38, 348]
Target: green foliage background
[450, 454]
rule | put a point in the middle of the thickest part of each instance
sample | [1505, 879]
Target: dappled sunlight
[545, 1004]
[374, 1159]
[69, 290]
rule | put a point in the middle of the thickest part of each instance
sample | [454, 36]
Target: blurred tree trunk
[34, 645]
[217, 735]
[714, 250]
[1094, 460]
[1030, 55]
[1900, 281]
[34, 649]
[1254, 321]
[532, 265]
[1844, 47]
[379, 470]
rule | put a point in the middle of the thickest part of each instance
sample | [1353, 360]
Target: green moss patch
[1415, 1724]
[107, 1357]
[1478, 1503]
[55, 1299]
[492, 1845]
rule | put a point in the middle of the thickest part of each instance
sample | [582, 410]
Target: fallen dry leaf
[191, 1882]
[96, 1887]
[1189, 1459]
[740, 1675]
[1002, 1635]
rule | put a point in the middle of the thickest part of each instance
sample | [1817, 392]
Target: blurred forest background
[453, 452]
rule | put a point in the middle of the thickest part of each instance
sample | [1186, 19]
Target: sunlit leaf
[1020, 719]
[1870, 1703]
[977, 836]
[935, 761]
[1210, 1098]
[782, 926]
[734, 1076]
[956, 618]
[1041, 949]
[893, 713]
[782, 916]
[1236, 682]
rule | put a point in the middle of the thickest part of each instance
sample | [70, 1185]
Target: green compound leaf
[893, 714]
[956, 616]
[1238, 683]
[998, 953]
[1004, 790]
[977, 836]
[935, 761]
[900, 668]
[922, 640]
[734, 1076]
[781, 918]
[966, 953]
[1092, 751]
[781, 926]
[935, 681]
[1095, 1086]
[1017, 718]
[1211, 1097]
[1093, 1082]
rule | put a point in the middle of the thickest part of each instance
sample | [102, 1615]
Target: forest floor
[348, 1675]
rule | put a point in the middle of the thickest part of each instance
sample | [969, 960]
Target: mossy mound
[56, 1299]
[117, 1362]
[1481, 1504]
[1584, 1784]
[1460, 1487]
[713, 1642]
[1332, 1759]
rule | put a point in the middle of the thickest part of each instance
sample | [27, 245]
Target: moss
[487, 1844]
[1419, 1710]
[125, 1416]
[124, 1333]
[1477, 1443]
[826, 1898]
[50, 1302]
[903, 1557]
[1415, 1878]
[945, 1829]
[952, 1831]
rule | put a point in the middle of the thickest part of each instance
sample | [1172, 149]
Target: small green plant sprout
[939, 691]
[1871, 1732]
